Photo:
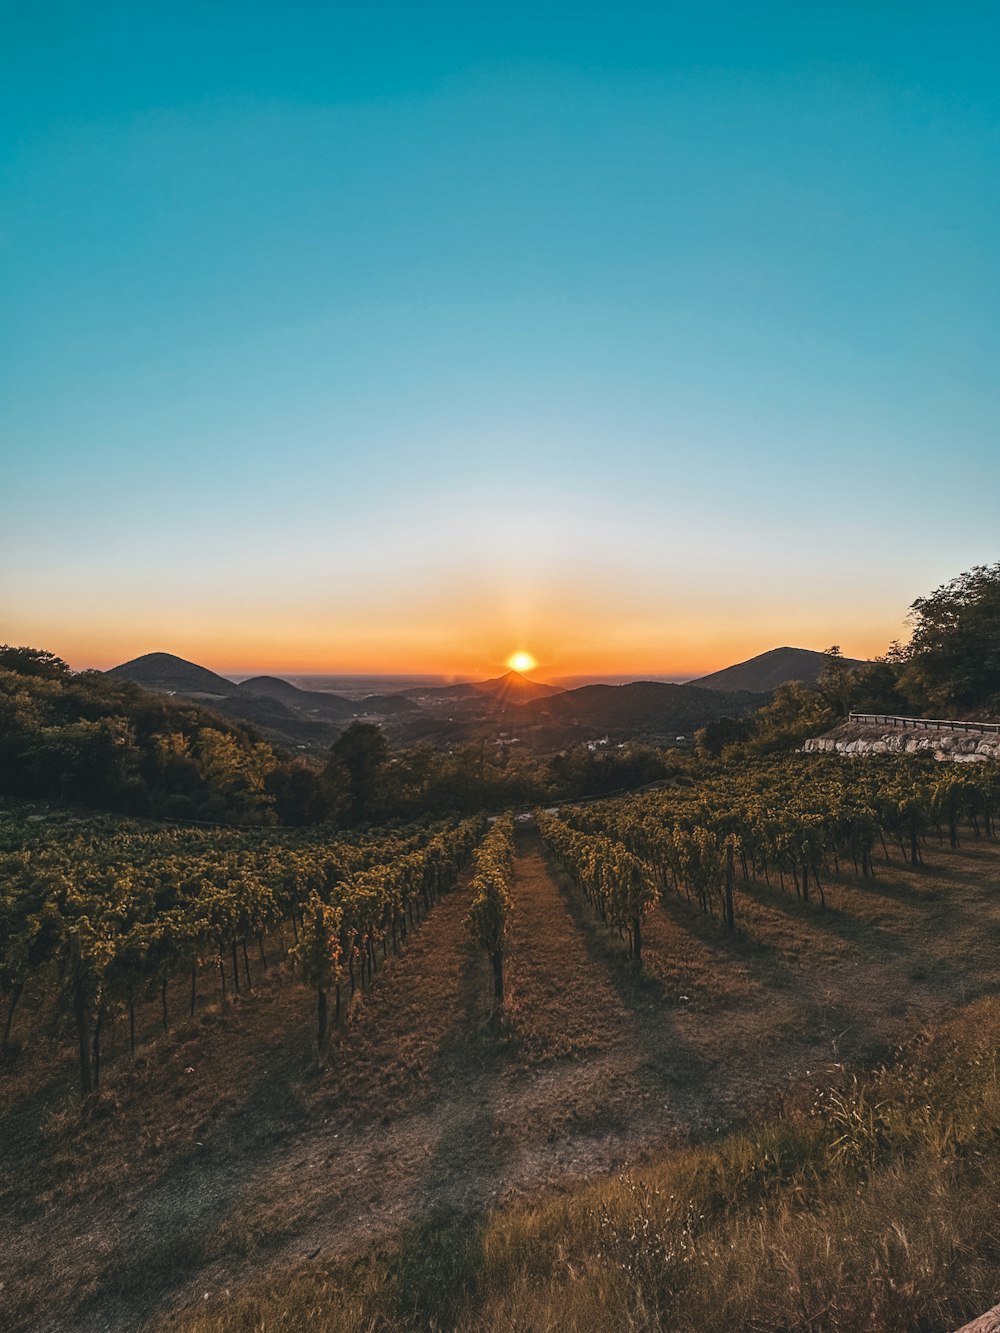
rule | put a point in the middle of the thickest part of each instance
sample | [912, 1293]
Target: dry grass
[876, 1212]
[435, 1126]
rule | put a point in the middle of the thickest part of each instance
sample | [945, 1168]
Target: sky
[399, 337]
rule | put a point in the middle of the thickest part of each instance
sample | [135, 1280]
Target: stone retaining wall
[853, 738]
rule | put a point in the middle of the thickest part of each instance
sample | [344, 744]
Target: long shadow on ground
[211, 1205]
[669, 1062]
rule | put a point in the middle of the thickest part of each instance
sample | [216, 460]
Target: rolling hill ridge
[544, 715]
[643, 708]
[173, 675]
[766, 671]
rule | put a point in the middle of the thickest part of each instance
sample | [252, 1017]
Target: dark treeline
[88, 738]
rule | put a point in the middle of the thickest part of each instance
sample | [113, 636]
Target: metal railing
[925, 723]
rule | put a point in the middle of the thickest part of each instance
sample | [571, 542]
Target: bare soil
[222, 1155]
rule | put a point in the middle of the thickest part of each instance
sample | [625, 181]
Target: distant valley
[511, 708]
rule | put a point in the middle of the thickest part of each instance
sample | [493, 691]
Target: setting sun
[521, 662]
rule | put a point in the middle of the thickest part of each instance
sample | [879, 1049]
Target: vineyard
[298, 1042]
[795, 819]
[102, 920]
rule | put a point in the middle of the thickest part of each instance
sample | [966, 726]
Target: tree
[357, 758]
[32, 662]
[236, 772]
[795, 712]
[874, 688]
[834, 681]
[297, 789]
[953, 658]
[711, 739]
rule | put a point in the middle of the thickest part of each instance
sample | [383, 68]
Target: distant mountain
[270, 709]
[309, 703]
[766, 671]
[511, 688]
[275, 720]
[173, 675]
[515, 688]
[305, 719]
[644, 708]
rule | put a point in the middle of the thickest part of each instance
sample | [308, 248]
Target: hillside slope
[766, 671]
[173, 675]
[510, 688]
[643, 708]
[385, 705]
[308, 703]
[278, 722]
[275, 708]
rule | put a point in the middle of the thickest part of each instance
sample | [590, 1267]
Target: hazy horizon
[357, 681]
[399, 681]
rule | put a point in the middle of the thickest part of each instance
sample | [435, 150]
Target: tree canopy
[953, 657]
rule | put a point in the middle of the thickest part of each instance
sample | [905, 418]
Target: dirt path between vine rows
[578, 1081]
[227, 1160]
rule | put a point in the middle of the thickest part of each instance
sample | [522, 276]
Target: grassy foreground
[871, 1205]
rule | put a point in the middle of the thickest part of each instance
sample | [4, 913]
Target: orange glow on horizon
[685, 656]
[581, 636]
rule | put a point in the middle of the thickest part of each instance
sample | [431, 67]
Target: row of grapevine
[491, 906]
[345, 926]
[795, 817]
[612, 878]
[106, 918]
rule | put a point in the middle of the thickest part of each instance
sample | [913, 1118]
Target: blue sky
[398, 337]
